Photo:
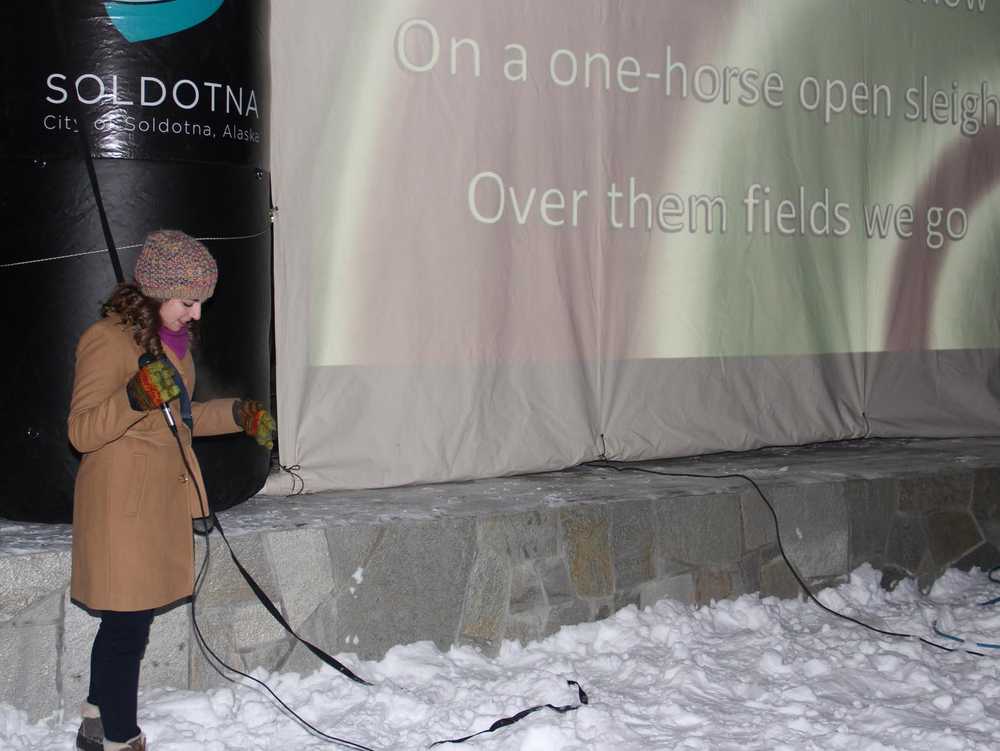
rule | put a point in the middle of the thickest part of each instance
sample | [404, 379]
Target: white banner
[516, 236]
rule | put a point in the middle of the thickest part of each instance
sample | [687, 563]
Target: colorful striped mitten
[152, 385]
[255, 420]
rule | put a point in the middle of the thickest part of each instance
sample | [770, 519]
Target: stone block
[217, 631]
[46, 610]
[223, 585]
[527, 625]
[570, 612]
[627, 597]
[321, 628]
[526, 592]
[303, 572]
[986, 502]
[758, 524]
[935, 492]
[270, 656]
[950, 535]
[813, 519]
[927, 573]
[250, 623]
[587, 545]
[871, 505]
[413, 587]
[666, 567]
[526, 535]
[907, 542]
[232, 620]
[167, 661]
[26, 579]
[30, 657]
[750, 565]
[232, 631]
[700, 530]
[350, 548]
[741, 584]
[710, 585]
[776, 580]
[487, 597]
[78, 631]
[599, 610]
[555, 579]
[680, 588]
[632, 543]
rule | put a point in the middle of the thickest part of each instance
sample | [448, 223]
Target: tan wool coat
[134, 500]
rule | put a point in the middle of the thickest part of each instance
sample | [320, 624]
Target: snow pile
[739, 675]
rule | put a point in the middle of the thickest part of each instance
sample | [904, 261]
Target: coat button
[182, 478]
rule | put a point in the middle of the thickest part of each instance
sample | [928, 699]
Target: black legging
[114, 670]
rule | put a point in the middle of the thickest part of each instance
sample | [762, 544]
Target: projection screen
[519, 235]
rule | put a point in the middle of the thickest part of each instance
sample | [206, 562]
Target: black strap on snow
[276, 614]
[344, 670]
[505, 721]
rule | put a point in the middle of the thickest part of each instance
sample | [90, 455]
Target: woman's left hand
[255, 420]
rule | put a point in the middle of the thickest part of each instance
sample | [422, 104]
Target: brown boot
[136, 744]
[90, 736]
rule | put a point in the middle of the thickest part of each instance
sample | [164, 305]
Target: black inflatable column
[173, 98]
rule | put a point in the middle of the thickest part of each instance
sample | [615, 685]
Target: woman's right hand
[153, 385]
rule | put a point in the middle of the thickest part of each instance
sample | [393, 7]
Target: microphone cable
[211, 657]
[215, 661]
[88, 157]
[781, 550]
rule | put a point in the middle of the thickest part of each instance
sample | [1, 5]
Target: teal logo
[139, 20]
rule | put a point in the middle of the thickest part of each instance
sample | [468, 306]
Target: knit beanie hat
[173, 265]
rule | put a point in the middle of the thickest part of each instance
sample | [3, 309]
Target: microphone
[144, 360]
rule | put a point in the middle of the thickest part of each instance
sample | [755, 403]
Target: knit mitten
[153, 384]
[255, 420]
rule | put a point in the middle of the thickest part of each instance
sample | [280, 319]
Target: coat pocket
[136, 487]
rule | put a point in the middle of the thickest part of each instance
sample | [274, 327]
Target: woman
[135, 497]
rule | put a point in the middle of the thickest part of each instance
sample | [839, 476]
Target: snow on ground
[738, 675]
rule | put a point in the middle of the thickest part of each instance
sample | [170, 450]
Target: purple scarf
[178, 341]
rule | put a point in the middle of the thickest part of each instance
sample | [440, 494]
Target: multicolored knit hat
[173, 265]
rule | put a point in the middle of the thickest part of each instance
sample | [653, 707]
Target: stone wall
[478, 563]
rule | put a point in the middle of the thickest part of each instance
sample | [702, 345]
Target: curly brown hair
[139, 313]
